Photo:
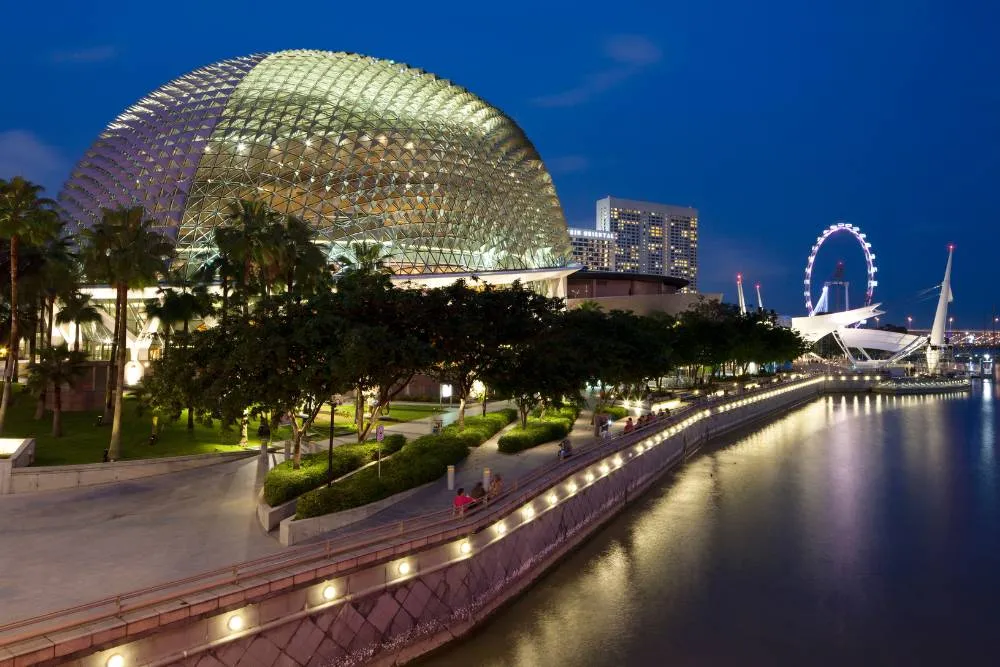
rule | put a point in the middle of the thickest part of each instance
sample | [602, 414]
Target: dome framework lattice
[360, 148]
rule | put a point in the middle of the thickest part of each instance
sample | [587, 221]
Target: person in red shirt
[461, 502]
[629, 426]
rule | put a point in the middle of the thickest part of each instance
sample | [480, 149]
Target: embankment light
[528, 512]
[115, 661]
[501, 528]
[605, 469]
[329, 592]
[403, 568]
[618, 461]
[235, 623]
[465, 547]
[638, 449]
[552, 499]
[589, 477]
[571, 487]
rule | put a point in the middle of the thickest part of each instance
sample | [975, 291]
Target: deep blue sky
[775, 118]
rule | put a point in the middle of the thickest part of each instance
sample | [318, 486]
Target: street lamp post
[909, 322]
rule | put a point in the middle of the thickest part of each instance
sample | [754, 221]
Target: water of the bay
[854, 530]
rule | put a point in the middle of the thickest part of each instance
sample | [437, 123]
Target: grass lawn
[397, 414]
[84, 442]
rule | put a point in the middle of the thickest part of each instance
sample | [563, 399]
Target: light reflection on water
[856, 529]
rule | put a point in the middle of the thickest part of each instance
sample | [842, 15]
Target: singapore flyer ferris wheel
[866, 247]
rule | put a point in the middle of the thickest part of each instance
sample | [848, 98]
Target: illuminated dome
[362, 149]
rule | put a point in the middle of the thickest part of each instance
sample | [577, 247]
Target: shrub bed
[284, 483]
[424, 460]
[615, 411]
[479, 429]
[553, 425]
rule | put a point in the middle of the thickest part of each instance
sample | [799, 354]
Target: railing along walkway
[380, 541]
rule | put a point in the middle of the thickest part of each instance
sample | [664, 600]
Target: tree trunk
[109, 386]
[56, 410]
[461, 412]
[190, 410]
[47, 320]
[359, 413]
[52, 322]
[296, 441]
[76, 336]
[115, 448]
[11, 366]
[33, 336]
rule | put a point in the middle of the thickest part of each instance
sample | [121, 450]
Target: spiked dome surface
[362, 149]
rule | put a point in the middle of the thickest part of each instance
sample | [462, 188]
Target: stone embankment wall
[397, 601]
[53, 478]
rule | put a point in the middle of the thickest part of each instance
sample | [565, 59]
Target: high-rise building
[651, 238]
[593, 248]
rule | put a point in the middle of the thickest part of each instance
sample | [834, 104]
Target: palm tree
[251, 244]
[58, 366]
[78, 310]
[302, 263]
[365, 258]
[125, 250]
[25, 217]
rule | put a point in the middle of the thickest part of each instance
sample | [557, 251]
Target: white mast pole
[739, 292]
[934, 349]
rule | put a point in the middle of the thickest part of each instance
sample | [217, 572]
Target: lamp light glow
[235, 623]
[116, 661]
[403, 568]
[465, 548]
[552, 498]
[501, 528]
[329, 592]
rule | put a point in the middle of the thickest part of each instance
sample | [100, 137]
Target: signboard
[379, 433]
[446, 391]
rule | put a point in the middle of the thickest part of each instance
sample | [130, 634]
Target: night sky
[774, 118]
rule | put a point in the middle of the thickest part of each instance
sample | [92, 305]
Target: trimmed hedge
[424, 460]
[616, 411]
[283, 483]
[480, 429]
[553, 426]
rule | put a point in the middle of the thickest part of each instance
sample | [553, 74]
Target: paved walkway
[511, 467]
[59, 549]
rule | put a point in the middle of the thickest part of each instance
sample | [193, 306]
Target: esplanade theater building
[362, 149]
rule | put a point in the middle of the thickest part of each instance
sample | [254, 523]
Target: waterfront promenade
[368, 589]
[71, 547]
